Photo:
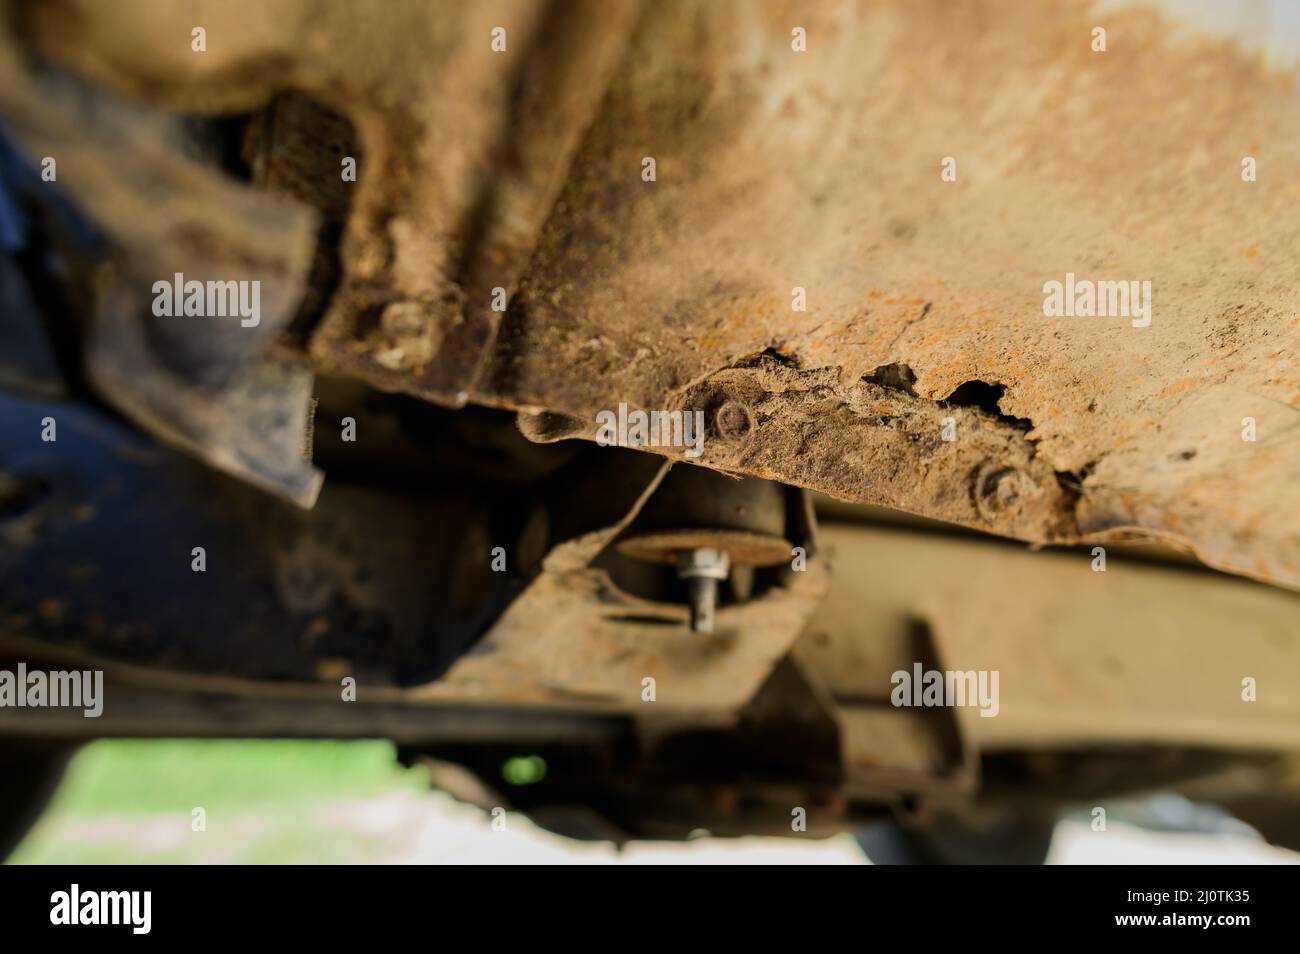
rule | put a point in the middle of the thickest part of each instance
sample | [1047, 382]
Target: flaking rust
[864, 442]
[885, 196]
[867, 442]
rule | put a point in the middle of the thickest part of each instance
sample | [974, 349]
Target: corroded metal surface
[575, 639]
[819, 170]
[1137, 654]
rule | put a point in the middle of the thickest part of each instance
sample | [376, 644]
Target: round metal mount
[744, 547]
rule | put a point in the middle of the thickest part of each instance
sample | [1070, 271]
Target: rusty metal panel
[815, 177]
[1140, 653]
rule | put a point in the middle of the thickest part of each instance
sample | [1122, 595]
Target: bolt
[411, 336]
[1001, 491]
[732, 421]
[403, 319]
[702, 568]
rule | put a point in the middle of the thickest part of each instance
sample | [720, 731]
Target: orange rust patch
[1178, 387]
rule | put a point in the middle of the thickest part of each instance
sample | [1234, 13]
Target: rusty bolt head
[732, 420]
[403, 319]
[1001, 491]
[411, 336]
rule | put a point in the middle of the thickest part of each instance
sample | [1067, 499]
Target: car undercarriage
[669, 393]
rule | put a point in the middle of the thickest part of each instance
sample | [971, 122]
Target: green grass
[149, 776]
[126, 801]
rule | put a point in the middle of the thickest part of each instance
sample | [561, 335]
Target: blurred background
[295, 802]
